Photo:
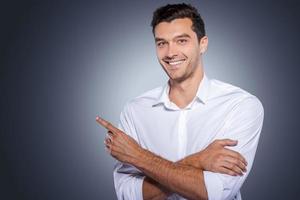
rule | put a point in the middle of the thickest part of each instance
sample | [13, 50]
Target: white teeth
[176, 62]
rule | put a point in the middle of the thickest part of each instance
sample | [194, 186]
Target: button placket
[182, 134]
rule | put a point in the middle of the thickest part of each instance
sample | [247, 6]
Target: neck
[182, 93]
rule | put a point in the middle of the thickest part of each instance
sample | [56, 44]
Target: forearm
[176, 177]
[152, 190]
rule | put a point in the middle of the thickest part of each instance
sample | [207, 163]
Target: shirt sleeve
[128, 180]
[244, 123]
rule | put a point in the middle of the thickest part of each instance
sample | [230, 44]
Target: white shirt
[218, 111]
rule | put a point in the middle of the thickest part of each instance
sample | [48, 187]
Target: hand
[216, 158]
[120, 145]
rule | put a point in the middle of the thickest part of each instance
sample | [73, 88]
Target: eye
[182, 41]
[161, 44]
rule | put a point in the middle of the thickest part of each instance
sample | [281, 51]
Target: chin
[177, 78]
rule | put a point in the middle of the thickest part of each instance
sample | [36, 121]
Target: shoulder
[238, 97]
[243, 107]
[146, 99]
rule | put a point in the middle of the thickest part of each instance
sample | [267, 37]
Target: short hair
[171, 12]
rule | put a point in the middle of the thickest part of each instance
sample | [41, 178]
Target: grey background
[62, 63]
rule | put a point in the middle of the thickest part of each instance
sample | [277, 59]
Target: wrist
[200, 160]
[139, 157]
[194, 160]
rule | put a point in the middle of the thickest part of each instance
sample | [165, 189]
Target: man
[194, 138]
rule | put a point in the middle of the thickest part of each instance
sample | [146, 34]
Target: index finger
[107, 125]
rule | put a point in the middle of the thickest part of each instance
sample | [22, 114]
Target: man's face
[178, 48]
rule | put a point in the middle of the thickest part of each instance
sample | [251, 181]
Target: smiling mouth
[174, 63]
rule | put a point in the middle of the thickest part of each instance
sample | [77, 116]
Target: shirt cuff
[214, 185]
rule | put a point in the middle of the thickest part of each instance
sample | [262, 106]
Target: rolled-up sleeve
[244, 123]
[128, 180]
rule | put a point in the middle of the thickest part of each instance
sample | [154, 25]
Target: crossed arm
[164, 177]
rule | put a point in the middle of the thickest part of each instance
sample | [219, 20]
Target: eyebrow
[157, 39]
[183, 35]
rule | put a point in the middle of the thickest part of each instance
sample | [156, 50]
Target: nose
[172, 51]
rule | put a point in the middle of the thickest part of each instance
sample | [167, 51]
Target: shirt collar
[201, 95]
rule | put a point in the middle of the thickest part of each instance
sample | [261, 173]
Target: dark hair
[178, 11]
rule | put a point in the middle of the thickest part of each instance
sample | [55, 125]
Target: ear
[203, 44]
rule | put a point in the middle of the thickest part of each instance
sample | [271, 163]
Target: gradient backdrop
[62, 63]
